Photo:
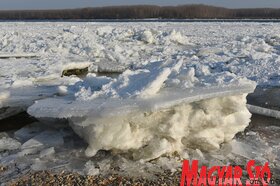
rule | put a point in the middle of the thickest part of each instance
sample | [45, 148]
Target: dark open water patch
[16, 121]
[266, 97]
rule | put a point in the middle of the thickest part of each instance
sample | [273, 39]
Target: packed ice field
[180, 93]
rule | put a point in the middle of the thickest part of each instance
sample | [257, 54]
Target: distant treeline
[144, 12]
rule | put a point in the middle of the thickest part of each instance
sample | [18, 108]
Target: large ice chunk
[203, 124]
[7, 143]
[28, 132]
[264, 111]
[44, 139]
[203, 119]
[158, 108]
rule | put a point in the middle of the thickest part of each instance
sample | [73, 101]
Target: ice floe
[142, 110]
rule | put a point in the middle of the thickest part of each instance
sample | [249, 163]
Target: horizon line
[116, 6]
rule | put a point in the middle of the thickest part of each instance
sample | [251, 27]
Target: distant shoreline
[147, 20]
[144, 12]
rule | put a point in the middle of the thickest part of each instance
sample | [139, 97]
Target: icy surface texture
[260, 141]
[155, 105]
[199, 125]
[167, 69]
[166, 72]
[43, 51]
[264, 111]
[7, 143]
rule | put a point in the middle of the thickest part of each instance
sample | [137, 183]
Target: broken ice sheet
[138, 168]
[253, 147]
[90, 169]
[169, 163]
[7, 143]
[243, 149]
[44, 139]
[28, 132]
[47, 152]
[8, 111]
[39, 164]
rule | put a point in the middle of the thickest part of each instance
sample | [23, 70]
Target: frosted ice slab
[7, 143]
[264, 111]
[44, 139]
[201, 118]
[28, 132]
[157, 109]
[64, 108]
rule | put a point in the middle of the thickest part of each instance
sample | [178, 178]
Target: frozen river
[178, 90]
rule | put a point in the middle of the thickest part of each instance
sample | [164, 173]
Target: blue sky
[57, 4]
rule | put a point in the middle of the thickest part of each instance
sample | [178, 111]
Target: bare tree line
[144, 12]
